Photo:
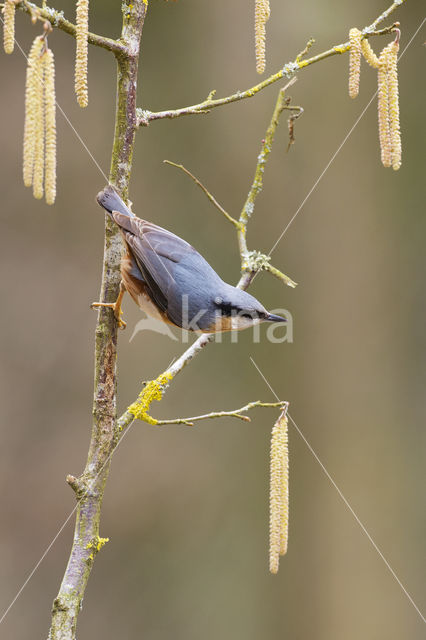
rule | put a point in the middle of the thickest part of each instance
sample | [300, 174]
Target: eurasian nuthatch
[171, 281]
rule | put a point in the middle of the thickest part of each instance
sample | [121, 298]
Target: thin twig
[237, 413]
[208, 194]
[250, 260]
[281, 276]
[290, 68]
[303, 53]
[262, 158]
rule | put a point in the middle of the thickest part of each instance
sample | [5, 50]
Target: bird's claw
[118, 312]
[120, 322]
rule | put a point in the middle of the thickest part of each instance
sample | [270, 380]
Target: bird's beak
[271, 317]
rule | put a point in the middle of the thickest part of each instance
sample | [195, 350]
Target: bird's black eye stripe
[230, 310]
[226, 309]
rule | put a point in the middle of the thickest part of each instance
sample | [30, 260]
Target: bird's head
[237, 309]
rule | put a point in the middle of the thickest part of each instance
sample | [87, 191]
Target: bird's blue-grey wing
[157, 253]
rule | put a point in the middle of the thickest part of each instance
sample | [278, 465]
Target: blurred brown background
[186, 510]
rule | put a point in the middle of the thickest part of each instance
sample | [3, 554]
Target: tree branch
[237, 413]
[145, 117]
[58, 20]
[90, 485]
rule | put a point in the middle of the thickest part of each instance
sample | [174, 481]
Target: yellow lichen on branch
[261, 16]
[278, 496]
[153, 390]
[9, 26]
[82, 24]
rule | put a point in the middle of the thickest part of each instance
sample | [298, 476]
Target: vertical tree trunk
[89, 487]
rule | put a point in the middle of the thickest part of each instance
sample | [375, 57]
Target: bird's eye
[247, 315]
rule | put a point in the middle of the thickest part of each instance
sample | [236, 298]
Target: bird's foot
[116, 307]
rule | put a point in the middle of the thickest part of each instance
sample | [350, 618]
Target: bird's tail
[109, 199]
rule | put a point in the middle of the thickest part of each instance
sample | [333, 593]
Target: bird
[170, 281]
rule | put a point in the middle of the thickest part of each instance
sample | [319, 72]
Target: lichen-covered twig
[255, 261]
[145, 116]
[236, 413]
[58, 21]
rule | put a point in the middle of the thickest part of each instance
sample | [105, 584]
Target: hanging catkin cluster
[40, 122]
[261, 16]
[9, 26]
[354, 62]
[387, 91]
[278, 496]
[388, 107]
[82, 23]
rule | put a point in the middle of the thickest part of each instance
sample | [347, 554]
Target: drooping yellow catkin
[354, 61]
[261, 16]
[32, 94]
[9, 26]
[369, 54]
[383, 110]
[38, 174]
[278, 496]
[267, 9]
[284, 487]
[50, 126]
[82, 23]
[393, 97]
